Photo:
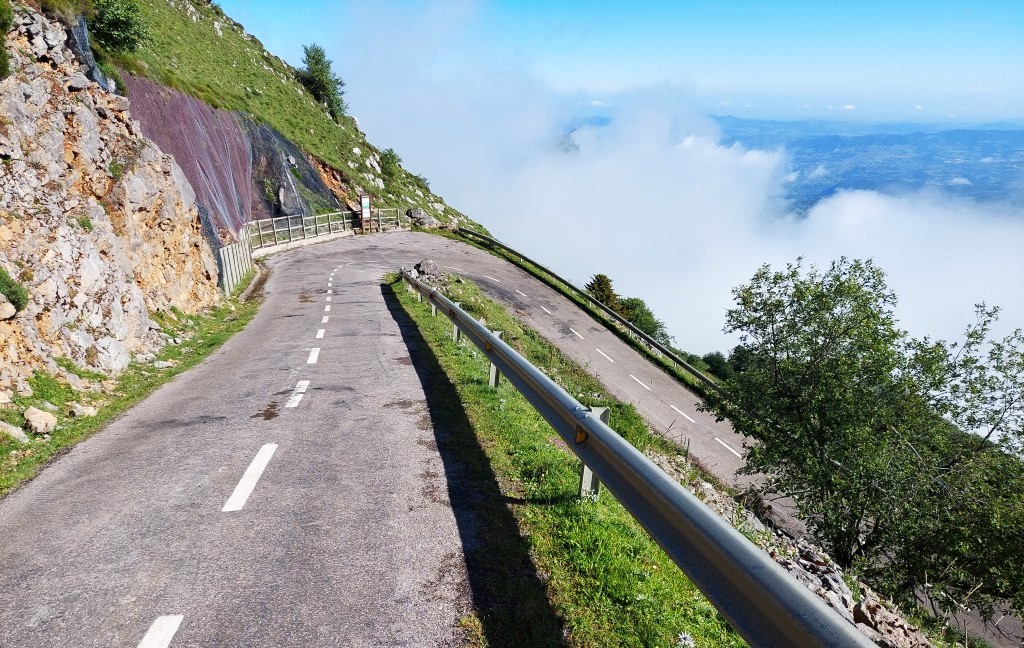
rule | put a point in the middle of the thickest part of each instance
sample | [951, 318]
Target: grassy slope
[233, 71]
[610, 583]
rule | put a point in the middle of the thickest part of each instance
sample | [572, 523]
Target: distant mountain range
[983, 161]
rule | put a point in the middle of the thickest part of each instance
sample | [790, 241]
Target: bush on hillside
[118, 26]
[6, 21]
[12, 290]
[320, 80]
[389, 162]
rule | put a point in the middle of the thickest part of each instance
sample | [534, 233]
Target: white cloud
[597, 103]
[653, 200]
[819, 172]
[960, 181]
[918, 107]
[849, 107]
[724, 104]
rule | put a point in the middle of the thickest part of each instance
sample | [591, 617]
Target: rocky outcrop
[95, 221]
[875, 617]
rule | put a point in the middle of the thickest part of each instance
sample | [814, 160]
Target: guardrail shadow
[510, 599]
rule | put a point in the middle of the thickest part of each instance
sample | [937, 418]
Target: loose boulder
[421, 218]
[13, 432]
[39, 421]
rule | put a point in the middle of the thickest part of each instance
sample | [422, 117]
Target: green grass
[608, 581]
[202, 334]
[12, 290]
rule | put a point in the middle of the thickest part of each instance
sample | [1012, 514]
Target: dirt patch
[404, 403]
[269, 412]
[404, 360]
[304, 298]
[255, 291]
[429, 444]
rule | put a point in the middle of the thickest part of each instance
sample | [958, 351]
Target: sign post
[365, 215]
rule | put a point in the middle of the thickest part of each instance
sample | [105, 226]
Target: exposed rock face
[421, 218]
[98, 225]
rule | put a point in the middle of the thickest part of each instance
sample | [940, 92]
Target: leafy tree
[870, 432]
[640, 315]
[320, 80]
[389, 163]
[718, 365]
[118, 25]
[600, 288]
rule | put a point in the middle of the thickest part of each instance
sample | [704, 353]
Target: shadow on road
[510, 600]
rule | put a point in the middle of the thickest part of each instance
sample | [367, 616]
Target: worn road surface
[289, 491]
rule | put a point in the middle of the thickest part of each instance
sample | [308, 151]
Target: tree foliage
[904, 456]
[640, 315]
[389, 163]
[118, 25]
[600, 288]
[321, 82]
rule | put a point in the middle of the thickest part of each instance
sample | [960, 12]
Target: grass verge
[607, 580]
[198, 335]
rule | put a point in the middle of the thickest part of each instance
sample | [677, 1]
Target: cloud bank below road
[652, 199]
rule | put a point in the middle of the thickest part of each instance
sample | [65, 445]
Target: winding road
[290, 490]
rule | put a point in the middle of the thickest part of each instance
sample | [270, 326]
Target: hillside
[196, 49]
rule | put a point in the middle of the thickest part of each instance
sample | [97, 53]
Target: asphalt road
[346, 537]
[289, 491]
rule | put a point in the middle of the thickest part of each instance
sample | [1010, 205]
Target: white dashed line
[575, 333]
[491, 278]
[327, 308]
[683, 413]
[325, 319]
[328, 298]
[320, 333]
[545, 310]
[726, 446]
[521, 292]
[330, 292]
[249, 479]
[454, 268]
[329, 284]
[605, 355]
[162, 631]
[297, 393]
[313, 355]
[641, 384]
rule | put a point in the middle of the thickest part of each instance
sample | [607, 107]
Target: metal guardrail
[630, 328]
[766, 605]
[234, 261]
[268, 232]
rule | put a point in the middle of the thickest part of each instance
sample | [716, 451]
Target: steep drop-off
[97, 223]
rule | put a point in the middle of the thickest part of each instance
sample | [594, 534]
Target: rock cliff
[96, 223]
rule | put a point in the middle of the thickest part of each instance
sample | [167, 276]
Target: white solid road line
[521, 292]
[605, 355]
[683, 413]
[327, 308]
[575, 333]
[454, 268]
[491, 278]
[726, 446]
[325, 319]
[641, 384]
[314, 353]
[249, 479]
[162, 631]
[297, 393]
[320, 333]
[545, 310]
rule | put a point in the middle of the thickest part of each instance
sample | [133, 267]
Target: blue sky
[782, 59]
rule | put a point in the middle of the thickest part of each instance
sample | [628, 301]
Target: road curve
[289, 491]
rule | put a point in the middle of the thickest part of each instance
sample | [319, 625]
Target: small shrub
[6, 21]
[295, 172]
[108, 69]
[85, 223]
[116, 170]
[12, 290]
[118, 26]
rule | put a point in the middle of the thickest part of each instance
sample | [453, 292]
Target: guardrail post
[590, 486]
[493, 376]
[456, 333]
[433, 309]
